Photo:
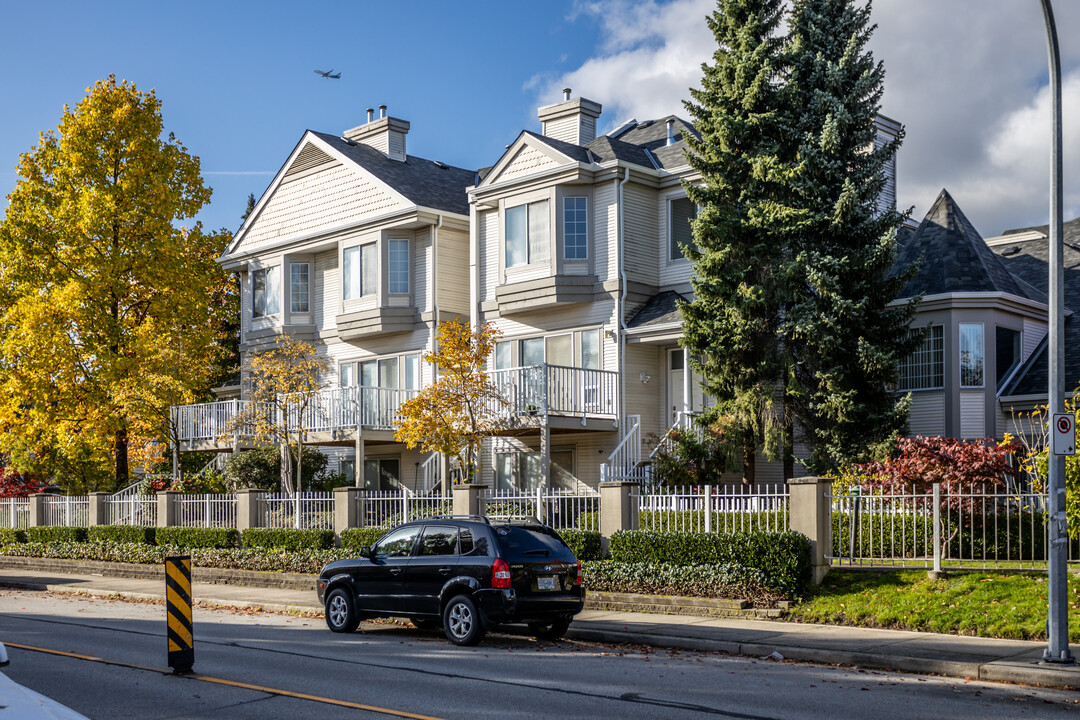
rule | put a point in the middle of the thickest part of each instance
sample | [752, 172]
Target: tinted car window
[474, 547]
[517, 541]
[438, 541]
[398, 543]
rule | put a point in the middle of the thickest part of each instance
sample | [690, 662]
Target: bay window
[265, 292]
[299, 287]
[971, 355]
[359, 268]
[526, 238]
[575, 229]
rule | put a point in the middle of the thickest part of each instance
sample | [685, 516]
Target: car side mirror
[365, 552]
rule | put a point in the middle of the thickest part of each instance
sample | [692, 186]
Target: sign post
[178, 611]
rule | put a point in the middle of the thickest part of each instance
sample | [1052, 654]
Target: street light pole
[1057, 626]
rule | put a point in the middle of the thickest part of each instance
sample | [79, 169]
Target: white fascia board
[980, 301]
[308, 137]
[1015, 238]
[537, 178]
[522, 140]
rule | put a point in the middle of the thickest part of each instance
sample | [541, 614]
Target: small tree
[285, 382]
[455, 413]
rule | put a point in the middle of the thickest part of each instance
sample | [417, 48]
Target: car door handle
[395, 571]
[445, 571]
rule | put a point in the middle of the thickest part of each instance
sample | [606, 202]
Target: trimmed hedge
[353, 539]
[783, 557]
[585, 543]
[191, 537]
[56, 533]
[287, 539]
[10, 536]
[729, 581]
[121, 534]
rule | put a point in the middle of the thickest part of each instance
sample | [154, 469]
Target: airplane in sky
[329, 74]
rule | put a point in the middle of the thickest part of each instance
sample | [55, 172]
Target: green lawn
[985, 603]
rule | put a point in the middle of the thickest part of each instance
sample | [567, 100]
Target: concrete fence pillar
[811, 515]
[249, 509]
[467, 499]
[37, 510]
[98, 516]
[166, 507]
[618, 509]
[345, 509]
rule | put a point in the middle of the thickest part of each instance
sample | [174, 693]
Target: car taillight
[500, 574]
[577, 578]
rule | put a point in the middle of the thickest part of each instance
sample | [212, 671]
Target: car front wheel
[341, 614]
[461, 621]
[550, 630]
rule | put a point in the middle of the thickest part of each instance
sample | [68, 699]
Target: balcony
[564, 397]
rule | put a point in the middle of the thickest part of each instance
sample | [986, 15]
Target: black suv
[464, 573]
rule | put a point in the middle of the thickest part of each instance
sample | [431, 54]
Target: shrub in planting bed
[287, 538]
[783, 557]
[56, 533]
[9, 536]
[585, 543]
[729, 581]
[191, 537]
[353, 539]
[121, 534]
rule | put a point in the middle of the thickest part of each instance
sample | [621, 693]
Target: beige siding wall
[420, 248]
[453, 276]
[527, 160]
[927, 415]
[324, 196]
[639, 234]
[604, 228]
[1034, 332]
[489, 254]
[973, 414]
[645, 399]
[326, 301]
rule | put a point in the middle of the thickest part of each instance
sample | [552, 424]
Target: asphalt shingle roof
[441, 187]
[659, 310]
[954, 256]
[1030, 261]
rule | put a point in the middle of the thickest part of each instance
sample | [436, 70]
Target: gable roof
[424, 182]
[954, 256]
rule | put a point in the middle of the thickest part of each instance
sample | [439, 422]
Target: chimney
[671, 131]
[572, 121]
[387, 134]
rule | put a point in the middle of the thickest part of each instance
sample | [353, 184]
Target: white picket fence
[15, 513]
[206, 510]
[560, 509]
[65, 510]
[714, 509]
[302, 511]
[131, 509]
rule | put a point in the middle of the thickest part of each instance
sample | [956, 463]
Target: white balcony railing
[539, 390]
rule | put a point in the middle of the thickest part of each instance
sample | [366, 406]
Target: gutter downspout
[621, 310]
[443, 465]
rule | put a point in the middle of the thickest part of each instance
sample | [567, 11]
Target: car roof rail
[477, 518]
[527, 519]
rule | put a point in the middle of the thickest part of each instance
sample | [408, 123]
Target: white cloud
[966, 77]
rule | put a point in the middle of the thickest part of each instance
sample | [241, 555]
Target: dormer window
[265, 292]
[681, 212]
[527, 234]
[359, 268]
[575, 229]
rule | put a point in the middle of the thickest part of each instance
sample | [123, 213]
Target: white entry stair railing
[625, 459]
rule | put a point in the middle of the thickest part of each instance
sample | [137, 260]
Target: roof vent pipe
[382, 111]
[370, 114]
[671, 131]
[566, 94]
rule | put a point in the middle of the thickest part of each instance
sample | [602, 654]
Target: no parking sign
[1064, 434]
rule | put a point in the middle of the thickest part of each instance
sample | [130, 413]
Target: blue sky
[966, 77]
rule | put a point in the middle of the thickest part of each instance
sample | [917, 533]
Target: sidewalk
[950, 655]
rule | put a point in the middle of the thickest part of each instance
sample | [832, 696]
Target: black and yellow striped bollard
[178, 609]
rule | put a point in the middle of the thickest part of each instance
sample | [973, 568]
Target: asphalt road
[396, 671]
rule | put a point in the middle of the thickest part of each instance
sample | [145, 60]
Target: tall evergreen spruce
[844, 339]
[732, 325]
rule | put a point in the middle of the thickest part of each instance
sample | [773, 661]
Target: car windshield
[520, 542]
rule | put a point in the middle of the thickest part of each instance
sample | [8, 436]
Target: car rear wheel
[341, 614]
[550, 630]
[461, 621]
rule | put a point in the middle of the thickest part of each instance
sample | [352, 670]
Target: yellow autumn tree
[285, 383]
[107, 303]
[454, 414]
